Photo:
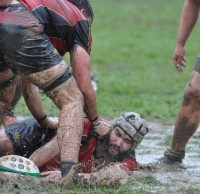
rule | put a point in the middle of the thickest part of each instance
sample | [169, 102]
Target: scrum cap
[134, 125]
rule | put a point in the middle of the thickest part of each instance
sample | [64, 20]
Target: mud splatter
[178, 178]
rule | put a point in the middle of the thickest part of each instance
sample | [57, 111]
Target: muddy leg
[69, 100]
[5, 145]
[9, 115]
[17, 97]
[188, 119]
[7, 91]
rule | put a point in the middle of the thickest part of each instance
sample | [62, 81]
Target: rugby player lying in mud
[29, 139]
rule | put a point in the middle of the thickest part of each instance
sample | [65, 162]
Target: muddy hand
[101, 129]
[49, 123]
[107, 176]
[55, 175]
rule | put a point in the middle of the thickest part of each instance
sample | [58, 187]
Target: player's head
[134, 125]
[126, 134]
[5, 3]
[85, 7]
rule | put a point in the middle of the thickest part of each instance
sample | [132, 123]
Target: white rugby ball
[18, 164]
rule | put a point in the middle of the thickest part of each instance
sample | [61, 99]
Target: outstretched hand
[55, 175]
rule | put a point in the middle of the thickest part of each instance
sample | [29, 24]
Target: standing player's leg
[9, 115]
[7, 90]
[32, 55]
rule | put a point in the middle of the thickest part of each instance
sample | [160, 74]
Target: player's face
[119, 142]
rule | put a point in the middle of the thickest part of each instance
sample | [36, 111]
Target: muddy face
[119, 143]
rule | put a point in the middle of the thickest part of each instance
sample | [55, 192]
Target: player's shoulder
[64, 9]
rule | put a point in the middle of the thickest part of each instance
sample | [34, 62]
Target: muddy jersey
[24, 46]
[87, 162]
[63, 23]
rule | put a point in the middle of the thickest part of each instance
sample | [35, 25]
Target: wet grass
[148, 180]
[166, 141]
[133, 41]
[193, 191]
[74, 190]
[147, 184]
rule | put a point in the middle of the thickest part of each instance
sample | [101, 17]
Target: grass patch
[148, 180]
[131, 55]
[166, 141]
[73, 190]
[192, 190]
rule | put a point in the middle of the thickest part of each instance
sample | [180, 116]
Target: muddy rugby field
[151, 177]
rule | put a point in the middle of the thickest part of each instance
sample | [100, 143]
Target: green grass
[133, 41]
[73, 190]
[166, 141]
[193, 191]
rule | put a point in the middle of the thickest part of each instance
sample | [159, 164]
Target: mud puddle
[184, 178]
[177, 178]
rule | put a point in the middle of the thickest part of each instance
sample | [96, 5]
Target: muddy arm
[81, 65]
[42, 155]
[80, 61]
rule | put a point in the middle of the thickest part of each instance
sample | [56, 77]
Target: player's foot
[69, 171]
[172, 155]
[171, 159]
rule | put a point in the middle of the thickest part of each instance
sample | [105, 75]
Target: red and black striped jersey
[63, 22]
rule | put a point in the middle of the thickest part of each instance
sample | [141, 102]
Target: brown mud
[149, 178]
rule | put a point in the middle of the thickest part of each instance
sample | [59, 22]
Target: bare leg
[5, 145]
[70, 102]
[189, 115]
[188, 119]
[9, 115]
[17, 97]
[6, 93]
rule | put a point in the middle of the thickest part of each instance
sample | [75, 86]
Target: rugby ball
[18, 164]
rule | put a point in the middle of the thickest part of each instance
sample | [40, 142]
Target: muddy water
[181, 178]
[177, 178]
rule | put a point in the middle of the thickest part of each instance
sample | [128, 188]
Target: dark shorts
[27, 136]
[24, 47]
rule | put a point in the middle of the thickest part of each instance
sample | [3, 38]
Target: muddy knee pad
[174, 155]
[59, 80]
